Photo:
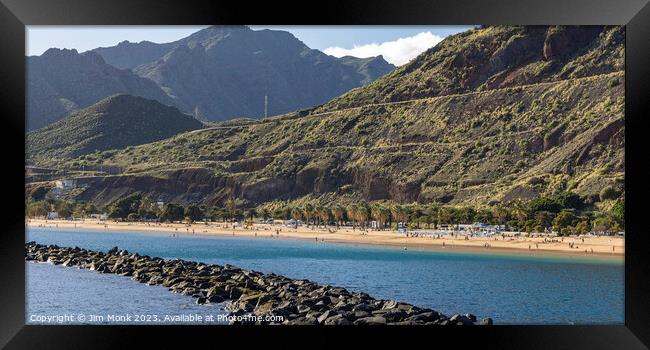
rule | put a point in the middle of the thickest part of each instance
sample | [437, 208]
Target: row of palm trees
[360, 214]
[517, 214]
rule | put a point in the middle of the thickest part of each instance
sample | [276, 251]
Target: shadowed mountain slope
[223, 72]
[60, 82]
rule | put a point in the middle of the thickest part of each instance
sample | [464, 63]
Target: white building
[99, 216]
[66, 184]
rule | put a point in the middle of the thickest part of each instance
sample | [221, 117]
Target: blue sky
[398, 44]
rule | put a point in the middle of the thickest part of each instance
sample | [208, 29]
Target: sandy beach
[508, 243]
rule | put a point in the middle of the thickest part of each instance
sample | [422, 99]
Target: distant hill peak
[116, 121]
[54, 51]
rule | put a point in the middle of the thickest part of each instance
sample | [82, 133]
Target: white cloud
[397, 52]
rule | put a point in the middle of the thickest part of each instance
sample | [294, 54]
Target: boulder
[375, 320]
[304, 321]
[337, 320]
[389, 304]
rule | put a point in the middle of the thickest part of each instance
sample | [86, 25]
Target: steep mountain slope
[370, 68]
[114, 122]
[60, 82]
[495, 57]
[223, 72]
[471, 133]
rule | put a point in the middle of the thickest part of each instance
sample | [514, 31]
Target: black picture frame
[635, 14]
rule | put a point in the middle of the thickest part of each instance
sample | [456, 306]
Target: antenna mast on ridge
[266, 106]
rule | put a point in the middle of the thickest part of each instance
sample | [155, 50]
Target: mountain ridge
[246, 61]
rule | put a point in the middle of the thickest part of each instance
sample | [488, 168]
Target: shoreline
[595, 247]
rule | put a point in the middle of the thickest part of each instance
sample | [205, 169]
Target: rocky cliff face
[497, 57]
[490, 115]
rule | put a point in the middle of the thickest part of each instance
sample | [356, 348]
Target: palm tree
[318, 208]
[337, 213]
[325, 214]
[231, 207]
[352, 214]
[395, 213]
[309, 211]
[431, 213]
[251, 213]
[380, 214]
[363, 213]
[415, 213]
[444, 216]
[375, 210]
[400, 214]
[265, 214]
[520, 211]
[296, 214]
[500, 214]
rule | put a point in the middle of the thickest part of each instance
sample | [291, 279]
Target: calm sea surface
[509, 289]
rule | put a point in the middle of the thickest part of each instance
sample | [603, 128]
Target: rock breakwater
[270, 298]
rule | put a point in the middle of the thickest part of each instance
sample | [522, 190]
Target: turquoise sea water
[513, 289]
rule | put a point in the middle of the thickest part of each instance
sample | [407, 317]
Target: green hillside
[112, 123]
[489, 115]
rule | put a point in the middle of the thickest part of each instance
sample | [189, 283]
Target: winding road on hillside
[277, 119]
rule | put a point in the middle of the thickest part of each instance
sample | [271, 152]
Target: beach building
[52, 215]
[66, 184]
[100, 217]
[289, 223]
